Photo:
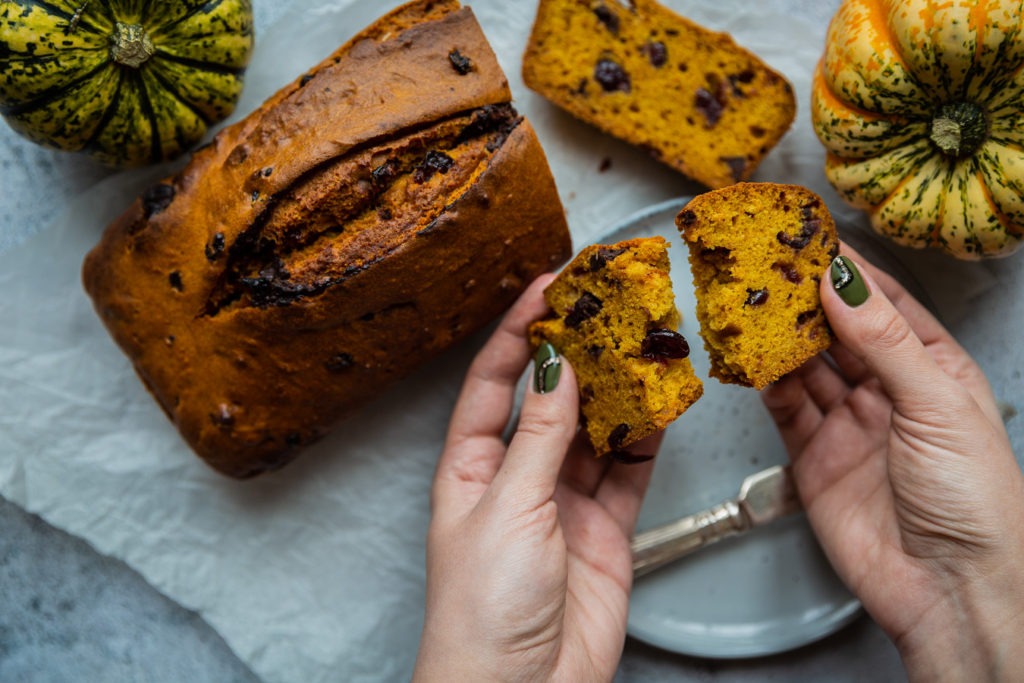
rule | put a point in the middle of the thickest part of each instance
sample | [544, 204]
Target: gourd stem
[130, 45]
[959, 129]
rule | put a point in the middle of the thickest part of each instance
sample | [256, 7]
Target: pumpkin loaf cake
[614, 318]
[698, 101]
[757, 253]
[332, 241]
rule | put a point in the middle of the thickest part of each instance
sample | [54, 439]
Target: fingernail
[847, 282]
[547, 368]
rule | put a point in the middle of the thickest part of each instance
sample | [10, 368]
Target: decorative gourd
[127, 81]
[919, 106]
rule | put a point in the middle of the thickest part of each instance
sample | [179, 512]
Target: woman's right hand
[909, 480]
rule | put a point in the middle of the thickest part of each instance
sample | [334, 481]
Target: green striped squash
[920, 106]
[128, 82]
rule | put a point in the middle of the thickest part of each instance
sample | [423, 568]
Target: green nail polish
[848, 283]
[547, 368]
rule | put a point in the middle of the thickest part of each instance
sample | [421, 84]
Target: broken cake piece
[613, 316]
[757, 253]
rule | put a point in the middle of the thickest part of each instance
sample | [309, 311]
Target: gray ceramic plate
[766, 592]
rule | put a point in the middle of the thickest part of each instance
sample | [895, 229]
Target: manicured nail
[848, 283]
[547, 368]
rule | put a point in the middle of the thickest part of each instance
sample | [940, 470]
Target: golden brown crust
[699, 102]
[256, 333]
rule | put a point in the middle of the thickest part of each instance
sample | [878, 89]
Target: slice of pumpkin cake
[613, 316]
[757, 252]
[699, 102]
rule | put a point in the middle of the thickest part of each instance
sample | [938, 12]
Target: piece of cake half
[757, 253]
[614, 318]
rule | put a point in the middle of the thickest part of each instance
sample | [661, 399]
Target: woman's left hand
[529, 567]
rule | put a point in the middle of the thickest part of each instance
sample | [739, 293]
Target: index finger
[474, 447]
[940, 344]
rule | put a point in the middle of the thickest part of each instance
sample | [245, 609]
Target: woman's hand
[909, 480]
[528, 559]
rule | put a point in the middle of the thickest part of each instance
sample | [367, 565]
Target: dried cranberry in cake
[602, 256]
[215, 248]
[806, 317]
[433, 162]
[608, 18]
[808, 229]
[618, 435]
[788, 271]
[756, 297]
[460, 63]
[385, 173]
[709, 107]
[157, 198]
[662, 344]
[340, 362]
[585, 308]
[656, 53]
[611, 76]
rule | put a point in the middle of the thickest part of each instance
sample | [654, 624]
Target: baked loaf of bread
[614, 318]
[366, 217]
[757, 253]
[699, 102]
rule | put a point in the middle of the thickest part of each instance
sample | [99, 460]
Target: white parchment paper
[314, 573]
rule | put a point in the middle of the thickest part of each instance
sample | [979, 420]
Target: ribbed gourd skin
[918, 106]
[128, 82]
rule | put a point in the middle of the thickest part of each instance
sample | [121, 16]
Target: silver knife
[763, 497]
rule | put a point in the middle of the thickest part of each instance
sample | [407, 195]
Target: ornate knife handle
[662, 545]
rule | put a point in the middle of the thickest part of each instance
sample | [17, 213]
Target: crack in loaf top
[369, 90]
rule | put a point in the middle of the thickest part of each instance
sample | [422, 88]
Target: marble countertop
[68, 613]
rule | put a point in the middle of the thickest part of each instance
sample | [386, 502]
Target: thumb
[868, 324]
[547, 424]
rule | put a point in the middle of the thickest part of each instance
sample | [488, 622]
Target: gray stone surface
[70, 614]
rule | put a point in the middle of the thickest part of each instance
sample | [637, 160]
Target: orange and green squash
[129, 82]
[920, 107]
